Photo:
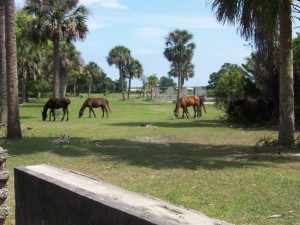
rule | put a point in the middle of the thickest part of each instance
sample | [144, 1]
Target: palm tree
[3, 77]
[120, 56]
[70, 63]
[187, 71]
[13, 120]
[260, 21]
[29, 58]
[179, 50]
[152, 81]
[135, 70]
[92, 70]
[57, 20]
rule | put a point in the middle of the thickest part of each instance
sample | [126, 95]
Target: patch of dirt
[155, 139]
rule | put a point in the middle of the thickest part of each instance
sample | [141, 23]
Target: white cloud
[114, 4]
[93, 24]
[149, 33]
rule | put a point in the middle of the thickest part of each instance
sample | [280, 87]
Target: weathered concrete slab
[51, 196]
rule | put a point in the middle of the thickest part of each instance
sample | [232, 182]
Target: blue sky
[143, 25]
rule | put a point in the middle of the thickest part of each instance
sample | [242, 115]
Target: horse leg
[67, 114]
[195, 111]
[90, 109]
[187, 113]
[51, 113]
[106, 112]
[185, 110]
[93, 112]
[64, 110]
[102, 107]
[199, 111]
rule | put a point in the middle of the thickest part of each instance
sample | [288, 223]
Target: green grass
[204, 164]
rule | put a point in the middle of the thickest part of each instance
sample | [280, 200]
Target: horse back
[187, 101]
[96, 102]
[56, 103]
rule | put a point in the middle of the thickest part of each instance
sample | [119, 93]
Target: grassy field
[204, 164]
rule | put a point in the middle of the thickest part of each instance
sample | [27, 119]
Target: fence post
[185, 91]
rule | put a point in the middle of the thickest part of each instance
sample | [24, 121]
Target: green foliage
[266, 141]
[167, 82]
[237, 116]
[229, 85]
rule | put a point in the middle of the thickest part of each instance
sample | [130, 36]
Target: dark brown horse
[187, 101]
[95, 103]
[253, 110]
[56, 103]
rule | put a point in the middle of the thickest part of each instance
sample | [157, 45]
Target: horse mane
[84, 105]
[177, 105]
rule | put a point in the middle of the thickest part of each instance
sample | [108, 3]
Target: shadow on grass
[180, 123]
[33, 104]
[151, 152]
[197, 122]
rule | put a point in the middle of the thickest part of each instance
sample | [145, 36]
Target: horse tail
[108, 106]
[68, 100]
[204, 107]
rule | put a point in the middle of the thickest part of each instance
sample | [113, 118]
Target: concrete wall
[46, 195]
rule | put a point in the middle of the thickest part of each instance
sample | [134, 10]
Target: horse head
[80, 113]
[44, 115]
[175, 115]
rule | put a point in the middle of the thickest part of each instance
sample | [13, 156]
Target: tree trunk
[89, 89]
[3, 76]
[286, 89]
[129, 87]
[13, 120]
[56, 67]
[23, 86]
[122, 83]
[63, 85]
[179, 94]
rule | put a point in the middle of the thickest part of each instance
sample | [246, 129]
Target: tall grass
[204, 164]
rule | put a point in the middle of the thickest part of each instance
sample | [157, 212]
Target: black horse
[56, 103]
[253, 110]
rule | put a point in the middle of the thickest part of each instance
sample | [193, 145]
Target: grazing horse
[95, 103]
[56, 103]
[254, 110]
[187, 101]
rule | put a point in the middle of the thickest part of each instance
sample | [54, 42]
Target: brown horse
[95, 103]
[56, 103]
[253, 110]
[187, 101]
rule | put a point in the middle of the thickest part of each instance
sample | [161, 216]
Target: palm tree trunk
[3, 77]
[23, 86]
[13, 120]
[179, 79]
[286, 89]
[56, 67]
[63, 85]
[89, 90]
[129, 87]
[122, 83]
